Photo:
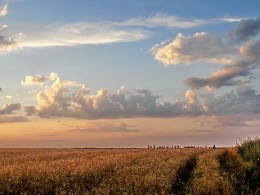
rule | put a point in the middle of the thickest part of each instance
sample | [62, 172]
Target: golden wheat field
[114, 171]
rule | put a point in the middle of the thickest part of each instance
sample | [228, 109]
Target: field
[121, 171]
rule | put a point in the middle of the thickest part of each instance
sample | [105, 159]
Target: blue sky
[186, 60]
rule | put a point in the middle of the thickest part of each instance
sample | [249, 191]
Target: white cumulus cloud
[4, 10]
[38, 79]
[199, 47]
[58, 100]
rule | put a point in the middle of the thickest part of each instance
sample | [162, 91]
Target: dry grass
[57, 171]
[71, 171]
[207, 178]
[151, 174]
[120, 171]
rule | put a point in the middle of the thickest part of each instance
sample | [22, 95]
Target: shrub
[249, 150]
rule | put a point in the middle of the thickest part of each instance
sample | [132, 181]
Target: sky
[117, 73]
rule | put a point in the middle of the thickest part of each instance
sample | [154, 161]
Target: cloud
[200, 46]
[246, 29]
[249, 60]
[30, 110]
[59, 100]
[3, 27]
[38, 79]
[191, 96]
[10, 108]
[232, 19]
[251, 49]
[203, 47]
[192, 106]
[9, 43]
[84, 33]
[79, 34]
[121, 127]
[4, 10]
[236, 120]
[223, 77]
[163, 20]
[13, 119]
[243, 100]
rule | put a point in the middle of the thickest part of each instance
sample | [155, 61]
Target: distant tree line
[176, 146]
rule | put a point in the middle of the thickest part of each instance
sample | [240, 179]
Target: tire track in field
[184, 175]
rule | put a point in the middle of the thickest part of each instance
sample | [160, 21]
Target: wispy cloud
[106, 32]
[107, 127]
[13, 119]
[234, 120]
[231, 19]
[70, 34]
[79, 34]
[85, 33]
[164, 20]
